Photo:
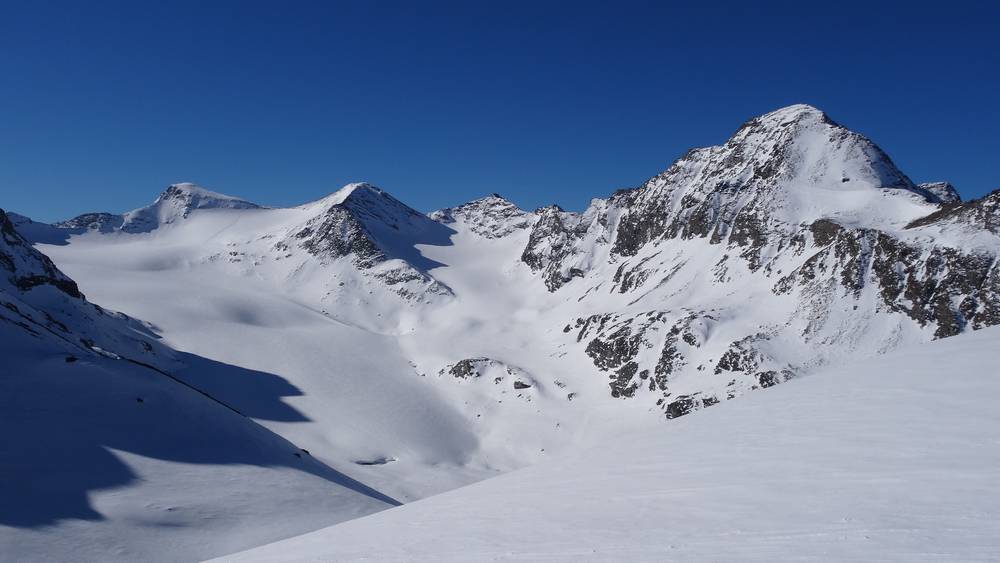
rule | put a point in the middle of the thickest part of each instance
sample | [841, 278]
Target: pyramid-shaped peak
[194, 196]
[354, 190]
[492, 216]
[369, 203]
[493, 199]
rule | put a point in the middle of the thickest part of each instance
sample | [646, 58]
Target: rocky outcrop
[551, 246]
[378, 233]
[503, 376]
[562, 244]
[974, 215]
[26, 268]
[38, 298]
[946, 288]
[645, 355]
[943, 192]
[101, 222]
[338, 234]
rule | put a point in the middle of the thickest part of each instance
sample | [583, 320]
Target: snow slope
[888, 459]
[109, 453]
[369, 363]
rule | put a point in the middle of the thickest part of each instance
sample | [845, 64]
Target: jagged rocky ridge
[798, 204]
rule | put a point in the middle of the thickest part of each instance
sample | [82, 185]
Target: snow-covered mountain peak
[777, 172]
[176, 202]
[188, 196]
[340, 196]
[793, 113]
[491, 217]
[801, 146]
[944, 192]
[370, 204]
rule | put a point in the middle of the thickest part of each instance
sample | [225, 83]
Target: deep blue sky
[103, 104]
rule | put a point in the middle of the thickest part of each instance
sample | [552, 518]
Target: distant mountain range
[430, 351]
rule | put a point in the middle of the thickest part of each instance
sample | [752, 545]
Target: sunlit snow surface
[417, 354]
[891, 459]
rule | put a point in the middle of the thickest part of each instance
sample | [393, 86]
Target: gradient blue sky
[103, 104]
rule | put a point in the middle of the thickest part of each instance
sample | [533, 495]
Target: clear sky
[103, 104]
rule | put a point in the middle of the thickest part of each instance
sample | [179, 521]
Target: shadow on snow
[61, 421]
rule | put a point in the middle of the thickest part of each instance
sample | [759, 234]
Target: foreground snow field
[891, 459]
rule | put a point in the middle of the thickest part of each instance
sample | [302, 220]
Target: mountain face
[793, 210]
[375, 231]
[944, 192]
[490, 217]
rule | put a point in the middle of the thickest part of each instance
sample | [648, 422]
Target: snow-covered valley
[891, 459]
[375, 355]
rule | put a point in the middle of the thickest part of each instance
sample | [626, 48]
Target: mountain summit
[176, 203]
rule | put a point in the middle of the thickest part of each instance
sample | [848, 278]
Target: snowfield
[891, 459]
[204, 374]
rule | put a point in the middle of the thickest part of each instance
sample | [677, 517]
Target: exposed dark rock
[490, 217]
[824, 231]
[27, 268]
[943, 192]
[982, 213]
[551, 246]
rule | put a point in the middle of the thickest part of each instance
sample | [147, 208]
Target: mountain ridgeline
[794, 244]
